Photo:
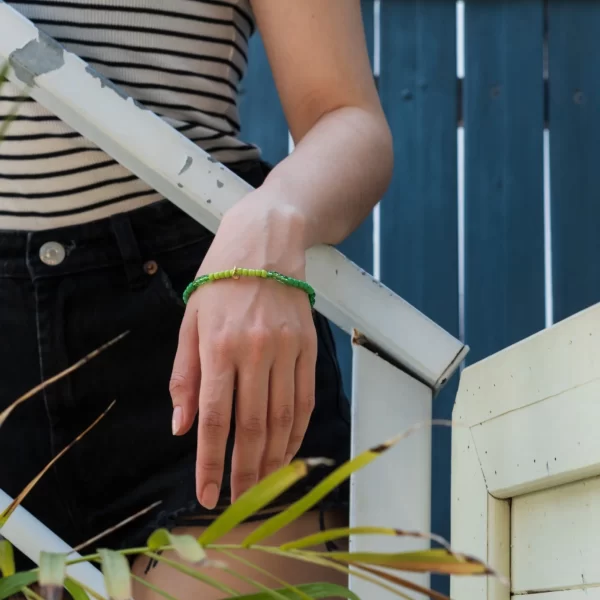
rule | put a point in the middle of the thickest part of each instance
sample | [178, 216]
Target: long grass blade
[117, 576]
[7, 558]
[152, 587]
[403, 582]
[335, 534]
[316, 591]
[5, 515]
[52, 575]
[258, 497]
[315, 559]
[38, 388]
[75, 590]
[332, 481]
[31, 594]
[438, 561]
[193, 573]
[116, 527]
[287, 586]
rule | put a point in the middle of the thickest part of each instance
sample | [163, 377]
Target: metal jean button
[52, 253]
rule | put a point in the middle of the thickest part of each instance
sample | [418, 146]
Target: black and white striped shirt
[182, 59]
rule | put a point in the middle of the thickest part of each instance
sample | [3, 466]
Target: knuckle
[212, 422]
[309, 339]
[222, 345]
[245, 477]
[289, 335]
[273, 464]
[306, 404]
[252, 427]
[179, 384]
[260, 338]
[210, 465]
[283, 417]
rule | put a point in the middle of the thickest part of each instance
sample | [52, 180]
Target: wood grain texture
[419, 235]
[555, 538]
[504, 112]
[574, 56]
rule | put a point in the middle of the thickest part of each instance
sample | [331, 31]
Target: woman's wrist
[260, 233]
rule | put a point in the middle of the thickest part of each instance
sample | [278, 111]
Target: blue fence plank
[504, 218]
[573, 44]
[419, 235]
[358, 246]
[263, 121]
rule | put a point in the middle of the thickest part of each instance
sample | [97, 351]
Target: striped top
[182, 59]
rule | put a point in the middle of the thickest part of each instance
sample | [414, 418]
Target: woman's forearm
[332, 180]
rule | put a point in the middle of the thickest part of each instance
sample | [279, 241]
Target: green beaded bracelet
[236, 273]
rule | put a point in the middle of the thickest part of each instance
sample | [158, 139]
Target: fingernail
[288, 459]
[176, 422]
[210, 496]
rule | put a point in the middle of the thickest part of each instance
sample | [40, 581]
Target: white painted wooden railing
[401, 358]
[526, 465]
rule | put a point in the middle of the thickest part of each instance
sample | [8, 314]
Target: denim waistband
[146, 232]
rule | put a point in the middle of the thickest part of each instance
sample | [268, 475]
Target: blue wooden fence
[504, 103]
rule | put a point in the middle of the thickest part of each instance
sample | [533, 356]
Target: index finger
[214, 419]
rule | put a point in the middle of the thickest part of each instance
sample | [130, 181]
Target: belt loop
[129, 249]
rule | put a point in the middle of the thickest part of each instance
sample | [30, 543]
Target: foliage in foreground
[52, 573]
[51, 577]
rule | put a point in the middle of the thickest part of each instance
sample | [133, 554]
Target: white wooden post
[178, 169]
[526, 465]
[395, 490]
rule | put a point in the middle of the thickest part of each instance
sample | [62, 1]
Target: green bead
[263, 274]
[211, 277]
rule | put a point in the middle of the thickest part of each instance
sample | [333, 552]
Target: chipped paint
[188, 163]
[37, 57]
[220, 184]
[107, 83]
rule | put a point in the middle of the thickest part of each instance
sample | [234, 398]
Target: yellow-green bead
[263, 274]
[211, 277]
[231, 272]
[251, 272]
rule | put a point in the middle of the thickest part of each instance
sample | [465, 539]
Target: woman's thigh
[184, 587]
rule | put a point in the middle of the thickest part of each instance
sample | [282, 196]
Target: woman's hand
[251, 335]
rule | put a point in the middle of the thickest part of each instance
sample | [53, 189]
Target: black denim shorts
[124, 273]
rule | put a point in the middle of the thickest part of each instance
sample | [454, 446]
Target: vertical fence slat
[263, 121]
[574, 58]
[504, 218]
[419, 235]
[358, 247]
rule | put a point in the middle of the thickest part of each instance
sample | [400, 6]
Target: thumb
[184, 385]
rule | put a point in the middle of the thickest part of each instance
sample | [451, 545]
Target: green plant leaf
[186, 546]
[345, 532]
[7, 558]
[297, 593]
[258, 497]
[52, 575]
[332, 481]
[76, 591]
[5, 515]
[438, 561]
[9, 586]
[116, 575]
[313, 590]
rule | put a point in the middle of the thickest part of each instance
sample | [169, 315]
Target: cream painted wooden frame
[525, 458]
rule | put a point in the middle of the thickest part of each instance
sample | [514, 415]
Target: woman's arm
[342, 163]
[257, 336]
